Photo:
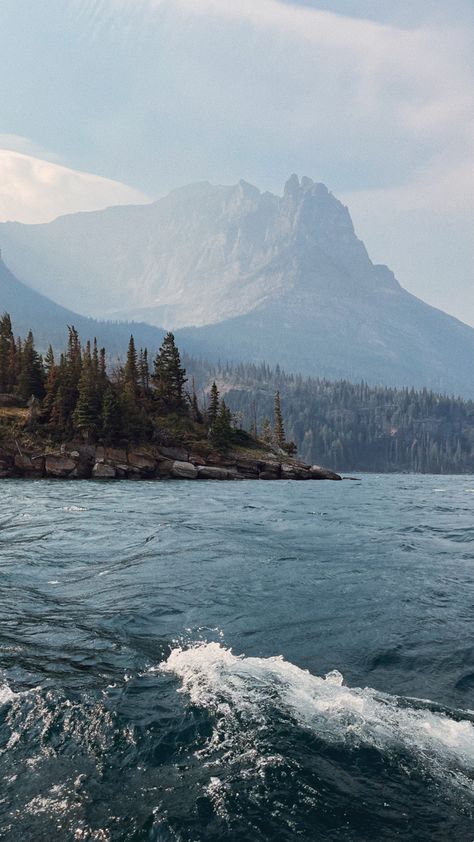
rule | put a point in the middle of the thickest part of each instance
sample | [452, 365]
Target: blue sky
[374, 98]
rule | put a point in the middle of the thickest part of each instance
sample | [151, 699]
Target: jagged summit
[247, 275]
[199, 255]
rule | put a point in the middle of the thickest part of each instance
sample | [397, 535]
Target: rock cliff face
[105, 463]
[240, 274]
[199, 256]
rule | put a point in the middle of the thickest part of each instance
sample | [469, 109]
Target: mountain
[49, 321]
[241, 274]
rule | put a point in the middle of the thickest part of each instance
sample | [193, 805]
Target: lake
[245, 661]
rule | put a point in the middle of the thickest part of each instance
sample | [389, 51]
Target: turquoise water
[244, 661]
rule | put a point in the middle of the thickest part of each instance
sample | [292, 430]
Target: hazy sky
[373, 97]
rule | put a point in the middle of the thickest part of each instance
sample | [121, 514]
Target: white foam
[213, 677]
[6, 694]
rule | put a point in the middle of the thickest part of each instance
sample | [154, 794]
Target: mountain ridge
[243, 275]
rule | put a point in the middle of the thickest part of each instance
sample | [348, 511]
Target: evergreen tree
[169, 376]
[133, 416]
[8, 368]
[51, 384]
[102, 366]
[131, 371]
[58, 416]
[87, 412]
[221, 432]
[111, 421]
[278, 430]
[143, 373]
[213, 408]
[31, 376]
[68, 376]
[49, 361]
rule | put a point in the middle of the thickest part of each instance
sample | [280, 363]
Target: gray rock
[273, 466]
[59, 466]
[164, 468]
[212, 472]
[184, 470]
[115, 454]
[103, 471]
[316, 472]
[297, 471]
[196, 459]
[145, 463]
[220, 460]
[178, 454]
[28, 465]
[248, 468]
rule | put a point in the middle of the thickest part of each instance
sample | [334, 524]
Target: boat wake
[249, 693]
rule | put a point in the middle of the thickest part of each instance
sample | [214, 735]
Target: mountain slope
[246, 275]
[49, 321]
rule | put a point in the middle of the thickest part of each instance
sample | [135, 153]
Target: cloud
[34, 190]
[18, 143]
[379, 97]
[443, 185]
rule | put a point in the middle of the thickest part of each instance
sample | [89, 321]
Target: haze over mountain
[49, 321]
[36, 190]
[248, 275]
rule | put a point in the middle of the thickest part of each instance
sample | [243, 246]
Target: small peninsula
[77, 417]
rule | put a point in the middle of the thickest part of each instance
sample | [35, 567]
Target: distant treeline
[356, 427]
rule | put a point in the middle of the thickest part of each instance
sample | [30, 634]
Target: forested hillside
[354, 427]
[80, 395]
[344, 426]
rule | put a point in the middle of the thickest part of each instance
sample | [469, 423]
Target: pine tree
[49, 361]
[143, 373]
[102, 366]
[87, 412]
[213, 407]
[221, 432]
[169, 376]
[131, 371]
[278, 430]
[8, 369]
[31, 376]
[68, 375]
[51, 384]
[111, 421]
[134, 420]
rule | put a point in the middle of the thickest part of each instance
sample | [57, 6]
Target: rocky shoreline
[114, 463]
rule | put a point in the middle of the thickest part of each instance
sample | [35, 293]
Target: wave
[250, 689]
[6, 695]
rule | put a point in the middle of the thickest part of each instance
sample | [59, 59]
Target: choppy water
[208, 662]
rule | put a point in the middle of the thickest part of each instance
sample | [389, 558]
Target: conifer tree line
[342, 425]
[354, 427]
[75, 394]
